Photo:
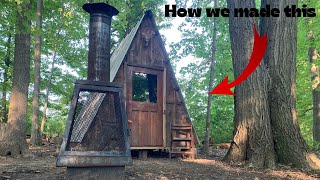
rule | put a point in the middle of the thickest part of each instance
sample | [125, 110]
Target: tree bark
[7, 63]
[280, 59]
[212, 63]
[13, 134]
[36, 138]
[252, 141]
[315, 82]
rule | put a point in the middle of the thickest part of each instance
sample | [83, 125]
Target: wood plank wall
[145, 51]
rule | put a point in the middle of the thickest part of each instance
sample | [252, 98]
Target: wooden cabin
[156, 111]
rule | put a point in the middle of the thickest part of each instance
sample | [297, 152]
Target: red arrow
[259, 48]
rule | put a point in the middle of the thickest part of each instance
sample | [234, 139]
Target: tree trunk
[280, 59]
[36, 138]
[46, 101]
[252, 139]
[4, 117]
[44, 117]
[315, 80]
[13, 134]
[7, 63]
[212, 63]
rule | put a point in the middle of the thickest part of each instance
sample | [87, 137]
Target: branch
[305, 112]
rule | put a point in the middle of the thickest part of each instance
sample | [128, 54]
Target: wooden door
[145, 106]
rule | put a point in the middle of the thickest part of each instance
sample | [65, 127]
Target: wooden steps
[180, 148]
[181, 128]
[182, 152]
[182, 141]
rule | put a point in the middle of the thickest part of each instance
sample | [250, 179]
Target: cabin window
[144, 87]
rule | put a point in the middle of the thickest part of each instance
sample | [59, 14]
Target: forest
[272, 122]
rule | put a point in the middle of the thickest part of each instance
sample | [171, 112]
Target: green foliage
[130, 13]
[304, 92]
[55, 126]
[144, 87]
[194, 79]
[65, 45]
[65, 33]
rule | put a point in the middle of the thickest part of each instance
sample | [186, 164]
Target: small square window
[144, 87]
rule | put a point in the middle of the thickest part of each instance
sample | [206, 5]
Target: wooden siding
[146, 51]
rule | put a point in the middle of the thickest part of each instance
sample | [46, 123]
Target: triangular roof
[120, 52]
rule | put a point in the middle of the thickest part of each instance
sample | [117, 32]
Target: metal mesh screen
[86, 115]
[97, 123]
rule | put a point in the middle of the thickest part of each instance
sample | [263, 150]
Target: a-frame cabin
[156, 111]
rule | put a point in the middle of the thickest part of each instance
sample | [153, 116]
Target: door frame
[160, 100]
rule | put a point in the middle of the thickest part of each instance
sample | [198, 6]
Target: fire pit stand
[96, 140]
[96, 137]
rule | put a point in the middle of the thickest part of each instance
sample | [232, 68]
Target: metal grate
[86, 115]
[97, 117]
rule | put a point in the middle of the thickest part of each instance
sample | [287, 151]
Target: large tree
[280, 58]
[13, 133]
[35, 135]
[252, 132]
[266, 124]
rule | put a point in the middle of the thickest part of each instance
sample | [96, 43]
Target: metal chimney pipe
[99, 40]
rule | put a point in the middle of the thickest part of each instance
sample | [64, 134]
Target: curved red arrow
[259, 48]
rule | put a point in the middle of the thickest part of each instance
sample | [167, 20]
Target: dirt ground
[43, 167]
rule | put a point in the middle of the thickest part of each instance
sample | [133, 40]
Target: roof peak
[148, 13]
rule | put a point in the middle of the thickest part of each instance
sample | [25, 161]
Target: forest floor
[43, 167]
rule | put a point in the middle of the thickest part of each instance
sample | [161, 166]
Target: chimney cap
[102, 8]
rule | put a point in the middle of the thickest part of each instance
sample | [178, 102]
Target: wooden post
[143, 154]
[164, 130]
[174, 108]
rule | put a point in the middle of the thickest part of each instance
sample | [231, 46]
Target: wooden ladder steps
[182, 152]
[181, 134]
[181, 128]
[181, 139]
[180, 148]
